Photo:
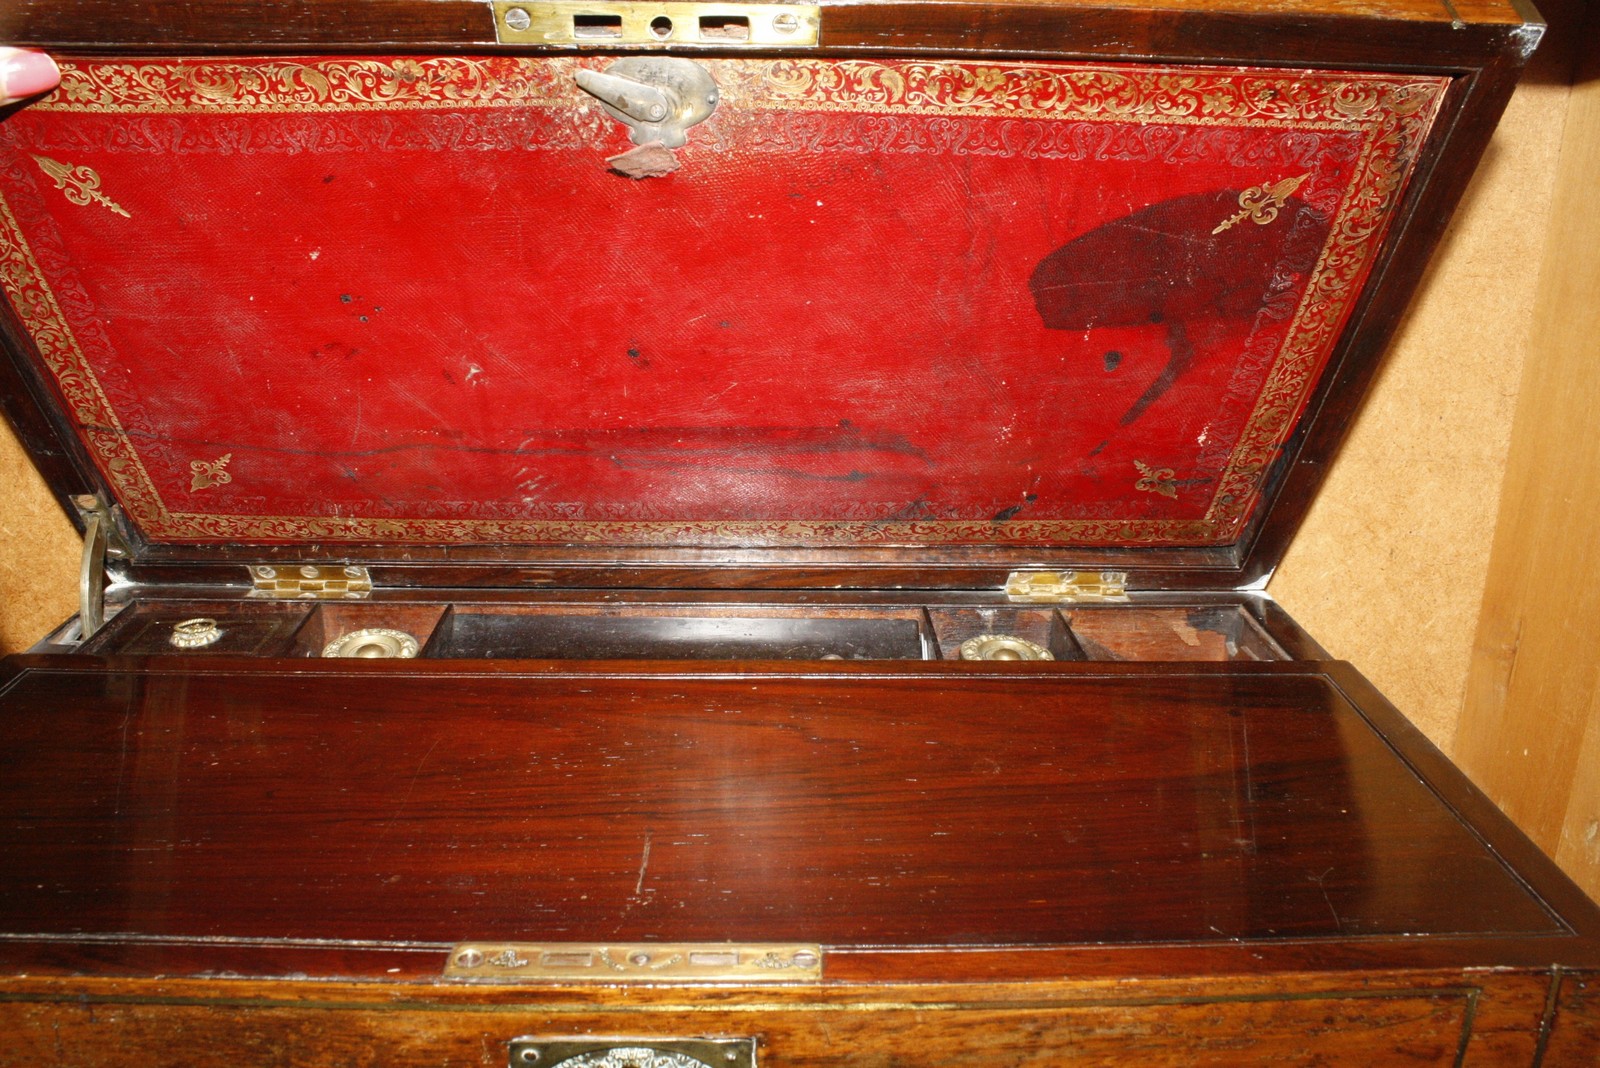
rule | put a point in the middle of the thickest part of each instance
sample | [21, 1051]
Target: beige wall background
[1408, 565]
[1390, 567]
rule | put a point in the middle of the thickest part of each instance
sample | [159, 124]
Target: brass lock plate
[533, 1051]
[635, 962]
[630, 25]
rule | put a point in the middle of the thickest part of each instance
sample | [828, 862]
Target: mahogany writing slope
[699, 534]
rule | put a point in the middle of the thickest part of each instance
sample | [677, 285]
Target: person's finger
[24, 74]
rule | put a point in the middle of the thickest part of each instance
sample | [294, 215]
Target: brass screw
[785, 23]
[469, 958]
[518, 19]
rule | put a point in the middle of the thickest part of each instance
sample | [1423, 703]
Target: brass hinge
[1056, 587]
[310, 581]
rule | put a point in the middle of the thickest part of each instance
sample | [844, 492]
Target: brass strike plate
[533, 1051]
[694, 25]
[635, 962]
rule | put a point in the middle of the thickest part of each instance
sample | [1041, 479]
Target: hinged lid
[879, 322]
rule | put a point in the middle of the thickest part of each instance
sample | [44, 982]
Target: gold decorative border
[1084, 92]
[1399, 122]
[1077, 92]
[164, 87]
[45, 321]
[1392, 112]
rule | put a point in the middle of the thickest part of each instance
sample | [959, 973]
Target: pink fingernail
[28, 73]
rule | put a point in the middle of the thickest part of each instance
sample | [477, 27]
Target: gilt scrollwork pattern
[1389, 114]
[1261, 204]
[297, 87]
[80, 184]
[45, 320]
[1102, 94]
[203, 474]
[1156, 480]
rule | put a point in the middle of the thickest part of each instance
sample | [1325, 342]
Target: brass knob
[377, 643]
[195, 633]
[1003, 647]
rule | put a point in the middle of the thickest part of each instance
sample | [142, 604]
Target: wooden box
[799, 551]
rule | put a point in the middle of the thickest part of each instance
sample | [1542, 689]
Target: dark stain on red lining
[1165, 265]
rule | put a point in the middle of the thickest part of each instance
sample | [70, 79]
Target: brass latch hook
[657, 97]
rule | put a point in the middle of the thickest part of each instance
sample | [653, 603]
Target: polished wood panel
[438, 804]
[1415, 1027]
[1485, 1019]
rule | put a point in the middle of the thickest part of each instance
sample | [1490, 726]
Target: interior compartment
[1041, 626]
[713, 631]
[603, 632]
[1208, 633]
[330, 622]
[246, 628]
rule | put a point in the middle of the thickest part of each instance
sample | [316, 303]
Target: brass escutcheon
[532, 1051]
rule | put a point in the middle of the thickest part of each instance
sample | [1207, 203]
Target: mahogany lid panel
[1009, 810]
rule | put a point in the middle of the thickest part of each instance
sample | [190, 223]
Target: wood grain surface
[938, 806]
[1480, 1020]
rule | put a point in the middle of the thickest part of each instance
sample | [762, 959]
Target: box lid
[890, 321]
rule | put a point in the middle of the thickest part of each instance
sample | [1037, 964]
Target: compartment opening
[1195, 633]
[577, 632]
